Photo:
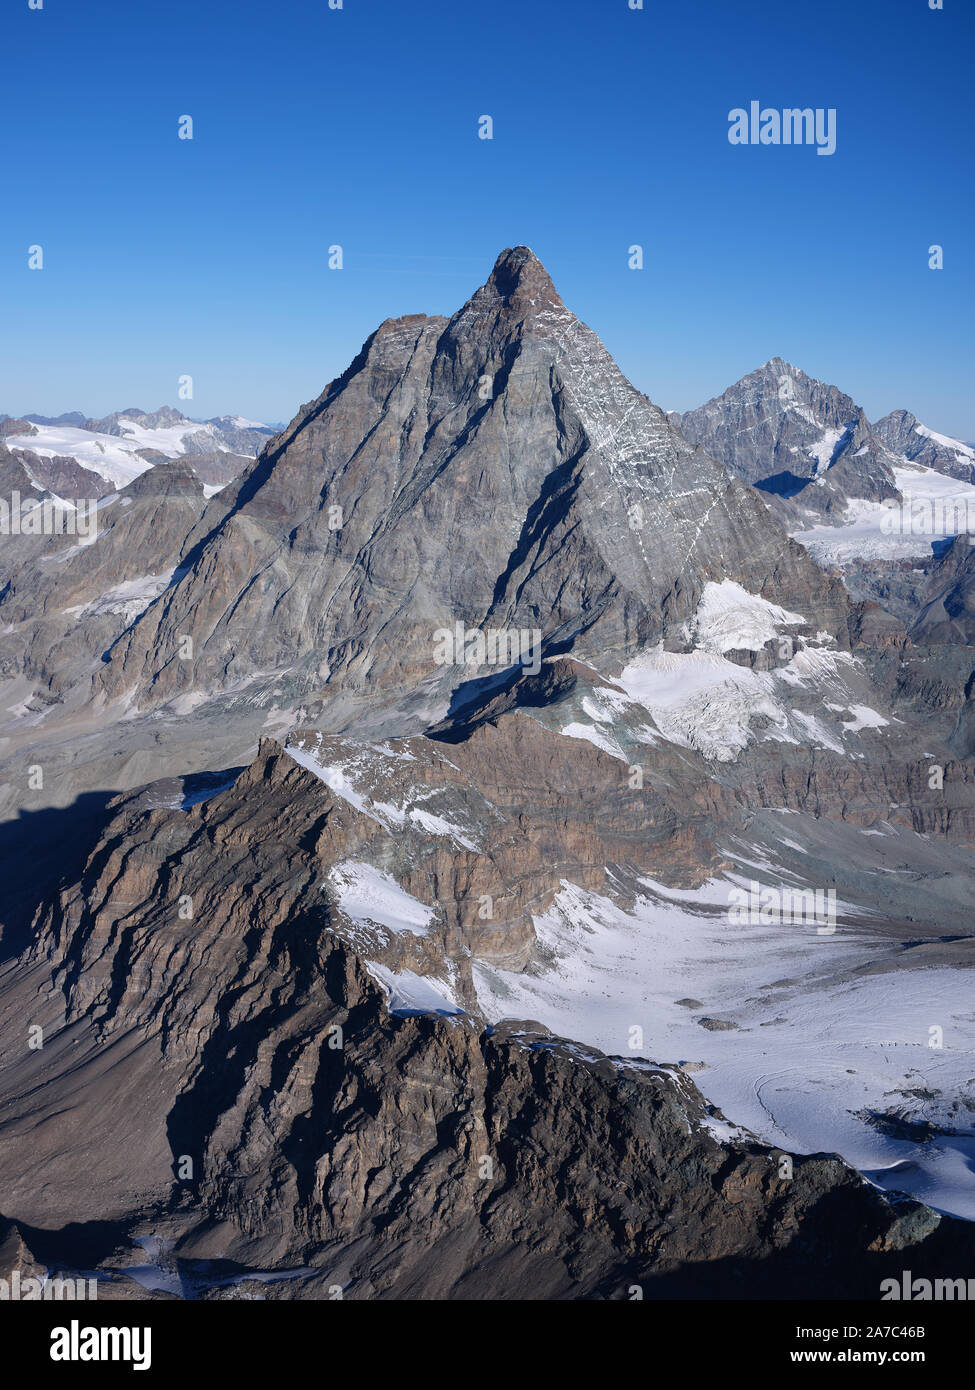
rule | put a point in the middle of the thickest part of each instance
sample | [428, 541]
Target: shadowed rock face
[948, 604]
[396, 1156]
[495, 469]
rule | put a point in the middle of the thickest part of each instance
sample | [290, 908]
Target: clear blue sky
[359, 127]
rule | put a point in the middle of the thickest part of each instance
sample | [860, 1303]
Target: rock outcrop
[279, 1111]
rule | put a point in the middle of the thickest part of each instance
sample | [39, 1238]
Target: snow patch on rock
[372, 898]
[408, 993]
[729, 618]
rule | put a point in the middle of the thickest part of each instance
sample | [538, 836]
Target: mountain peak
[791, 435]
[521, 281]
[515, 401]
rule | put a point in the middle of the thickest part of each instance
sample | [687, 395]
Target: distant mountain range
[122, 445]
[804, 444]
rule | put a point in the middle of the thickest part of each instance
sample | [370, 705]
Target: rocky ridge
[391, 1152]
[406, 825]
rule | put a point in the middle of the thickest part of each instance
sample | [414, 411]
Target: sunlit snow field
[934, 508]
[812, 1050]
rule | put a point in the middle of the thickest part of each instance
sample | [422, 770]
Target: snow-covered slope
[702, 699]
[799, 1036]
[905, 436]
[934, 507]
[116, 447]
[114, 459]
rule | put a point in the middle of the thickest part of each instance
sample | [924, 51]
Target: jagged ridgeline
[338, 803]
[494, 468]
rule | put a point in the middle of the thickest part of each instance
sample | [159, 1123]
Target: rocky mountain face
[948, 605]
[57, 476]
[804, 444]
[904, 435]
[481, 678]
[9, 426]
[67, 597]
[494, 469]
[285, 1111]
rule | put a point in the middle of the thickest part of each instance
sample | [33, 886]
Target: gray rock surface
[805, 445]
[905, 436]
[564, 501]
[190, 946]
[948, 602]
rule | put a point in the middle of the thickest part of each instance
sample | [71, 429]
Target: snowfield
[116, 457]
[729, 618]
[797, 1044]
[372, 898]
[954, 445]
[409, 993]
[700, 699]
[703, 701]
[935, 507]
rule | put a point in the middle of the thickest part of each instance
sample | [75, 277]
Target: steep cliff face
[905, 436]
[268, 986]
[947, 603]
[495, 469]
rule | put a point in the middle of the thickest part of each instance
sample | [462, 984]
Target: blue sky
[359, 127]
